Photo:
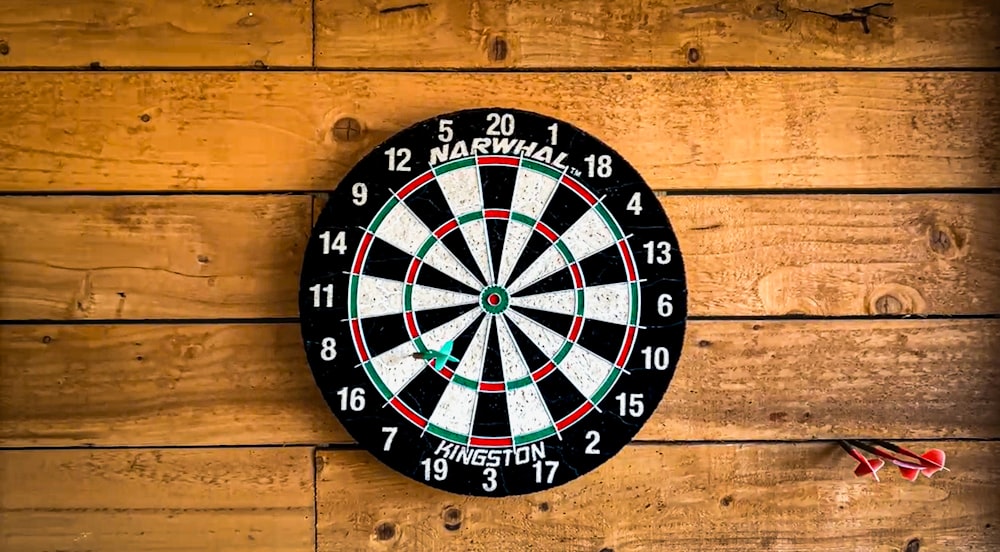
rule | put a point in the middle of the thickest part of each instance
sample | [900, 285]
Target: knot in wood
[544, 506]
[913, 546]
[385, 531]
[726, 501]
[452, 518]
[607, 550]
[941, 240]
[4, 48]
[497, 50]
[47, 339]
[693, 55]
[346, 129]
[145, 117]
[888, 304]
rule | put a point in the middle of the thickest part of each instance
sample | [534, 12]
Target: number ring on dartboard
[514, 315]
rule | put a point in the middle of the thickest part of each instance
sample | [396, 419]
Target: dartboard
[492, 302]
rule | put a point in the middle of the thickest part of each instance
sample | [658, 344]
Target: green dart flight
[438, 357]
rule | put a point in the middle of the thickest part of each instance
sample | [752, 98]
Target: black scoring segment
[560, 395]
[557, 281]
[602, 338]
[424, 391]
[498, 185]
[604, 267]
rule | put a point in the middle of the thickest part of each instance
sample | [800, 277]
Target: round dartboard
[493, 302]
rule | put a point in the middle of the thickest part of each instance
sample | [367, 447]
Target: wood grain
[633, 33]
[180, 33]
[148, 257]
[121, 257]
[176, 499]
[705, 497]
[247, 384]
[151, 131]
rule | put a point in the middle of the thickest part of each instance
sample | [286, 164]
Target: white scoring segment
[546, 263]
[456, 409]
[397, 366]
[585, 370]
[588, 235]
[464, 194]
[545, 339]
[526, 410]
[561, 302]
[532, 192]
[425, 297]
[608, 302]
[581, 367]
[404, 230]
[378, 296]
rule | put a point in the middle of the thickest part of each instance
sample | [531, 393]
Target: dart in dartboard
[493, 302]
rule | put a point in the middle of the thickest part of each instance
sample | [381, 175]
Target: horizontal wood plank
[245, 384]
[179, 33]
[139, 257]
[175, 499]
[634, 33]
[272, 131]
[705, 497]
[151, 257]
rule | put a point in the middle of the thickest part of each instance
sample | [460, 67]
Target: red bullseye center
[493, 299]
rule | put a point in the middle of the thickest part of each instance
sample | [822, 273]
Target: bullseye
[494, 299]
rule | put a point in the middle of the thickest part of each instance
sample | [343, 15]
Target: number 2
[595, 438]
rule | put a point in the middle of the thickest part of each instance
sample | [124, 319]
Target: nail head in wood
[498, 49]
[385, 531]
[452, 519]
[347, 129]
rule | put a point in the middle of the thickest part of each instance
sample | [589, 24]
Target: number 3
[491, 480]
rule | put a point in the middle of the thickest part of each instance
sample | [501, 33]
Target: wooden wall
[831, 170]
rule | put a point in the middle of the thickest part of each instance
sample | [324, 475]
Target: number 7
[392, 434]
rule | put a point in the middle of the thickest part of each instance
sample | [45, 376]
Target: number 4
[634, 204]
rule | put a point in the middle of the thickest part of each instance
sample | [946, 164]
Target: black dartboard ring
[539, 255]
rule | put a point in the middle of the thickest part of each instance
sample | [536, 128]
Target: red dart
[932, 461]
[865, 466]
[902, 464]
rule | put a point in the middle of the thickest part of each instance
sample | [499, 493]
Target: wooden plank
[246, 384]
[173, 499]
[705, 497]
[142, 257]
[578, 33]
[151, 257]
[272, 131]
[184, 33]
